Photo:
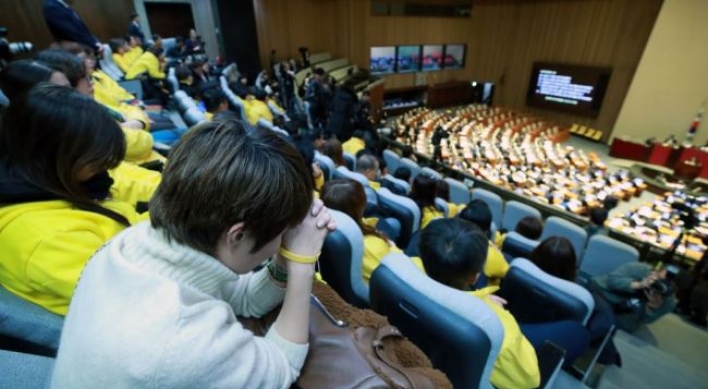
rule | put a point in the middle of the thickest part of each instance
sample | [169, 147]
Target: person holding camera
[638, 293]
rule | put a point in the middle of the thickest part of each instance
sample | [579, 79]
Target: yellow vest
[516, 366]
[146, 63]
[46, 244]
[133, 184]
[353, 145]
[429, 214]
[256, 109]
[496, 266]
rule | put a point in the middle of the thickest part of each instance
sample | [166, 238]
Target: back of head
[20, 76]
[555, 256]
[115, 44]
[478, 212]
[403, 173]
[346, 196]
[54, 137]
[224, 173]
[610, 202]
[530, 227]
[319, 72]
[367, 162]
[424, 190]
[213, 98]
[65, 62]
[453, 251]
[333, 149]
[598, 216]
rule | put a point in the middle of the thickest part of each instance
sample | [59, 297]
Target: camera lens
[20, 47]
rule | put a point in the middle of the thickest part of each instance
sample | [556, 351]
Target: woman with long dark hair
[424, 191]
[56, 147]
[348, 196]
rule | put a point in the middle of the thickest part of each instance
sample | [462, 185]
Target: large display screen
[432, 57]
[407, 59]
[454, 56]
[568, 88]
[382, 60]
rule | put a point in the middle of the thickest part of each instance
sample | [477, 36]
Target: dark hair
[65, 62]
[348, 196]
[319, 71]
[555, 256]
[224, 115]
[402, 173]
[610, 202]
[478, 212]
[444, 190]
[133, 16]
[333, 149]
[52, 134]
[116, 44]
[213, 98]
[18, 77]
[182, 72]
[155, 50]
[307, 151]
[598, 215]
[223, 173]
[530, 227]
[424, 190]
[453, 251]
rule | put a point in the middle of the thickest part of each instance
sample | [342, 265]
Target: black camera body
[7, 49]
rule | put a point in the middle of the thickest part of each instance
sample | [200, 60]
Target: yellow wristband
[290, 256]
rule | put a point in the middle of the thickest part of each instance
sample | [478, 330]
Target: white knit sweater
[148, 313]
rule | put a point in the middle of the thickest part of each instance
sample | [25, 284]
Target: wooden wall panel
[503, 37]
[25, 22]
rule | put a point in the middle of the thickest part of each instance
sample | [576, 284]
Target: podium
[628, 150]
[659, 154]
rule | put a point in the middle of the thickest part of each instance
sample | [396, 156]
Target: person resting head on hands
[232, 198]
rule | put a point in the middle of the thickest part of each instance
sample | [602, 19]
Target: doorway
[170, 19]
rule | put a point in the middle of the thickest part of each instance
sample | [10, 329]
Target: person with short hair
[214, 102]
[530, 227]
[232, 198]
[354, 142]
[495, 267]
[402, 173]
[598, 216]
[453, 252]
[368, 166]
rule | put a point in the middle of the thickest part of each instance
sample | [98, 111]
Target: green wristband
[277, 273]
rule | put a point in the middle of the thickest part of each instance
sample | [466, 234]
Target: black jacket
[342, 109]
[66, 25]
[134, 30]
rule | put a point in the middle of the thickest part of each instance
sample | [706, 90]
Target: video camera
[7, 49]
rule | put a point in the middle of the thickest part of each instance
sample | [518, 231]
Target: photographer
[638, 293]
[438, 135]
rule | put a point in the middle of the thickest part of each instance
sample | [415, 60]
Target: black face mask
[98, 187]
